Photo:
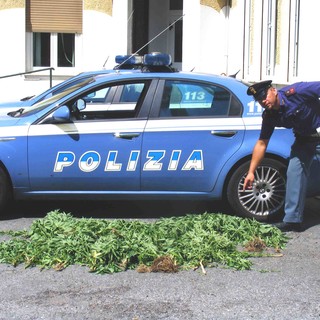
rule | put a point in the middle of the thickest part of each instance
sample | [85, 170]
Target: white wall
[12, 39]
[213, 40]
[97, 41]
[206, 46]
[309, 41]
[191, 35]
[12, 52]
[235, 40]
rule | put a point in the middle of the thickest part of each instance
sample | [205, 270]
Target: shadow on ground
[113, 209]
[135, 209]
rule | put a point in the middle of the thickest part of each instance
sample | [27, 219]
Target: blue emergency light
[127, 59]
[157, 59]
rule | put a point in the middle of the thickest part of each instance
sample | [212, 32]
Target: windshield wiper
[27, 98]
[15, 113]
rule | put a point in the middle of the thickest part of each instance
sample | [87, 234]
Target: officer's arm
[258, 153]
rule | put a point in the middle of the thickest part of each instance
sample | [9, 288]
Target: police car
[155, 133]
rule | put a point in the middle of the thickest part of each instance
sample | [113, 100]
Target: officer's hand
[248, 181]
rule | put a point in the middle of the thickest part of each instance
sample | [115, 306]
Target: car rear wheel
[265, 200]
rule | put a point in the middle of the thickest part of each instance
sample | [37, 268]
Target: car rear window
[188, 99]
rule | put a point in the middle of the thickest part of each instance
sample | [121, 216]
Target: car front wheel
[265, 200]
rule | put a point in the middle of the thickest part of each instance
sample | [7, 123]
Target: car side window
[112, 102]
[131, 92]
[98, 96]
[196, 99]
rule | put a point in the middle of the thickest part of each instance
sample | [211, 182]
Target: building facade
[259, 39]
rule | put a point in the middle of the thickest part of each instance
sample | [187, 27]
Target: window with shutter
[54, 25]
[59, 16]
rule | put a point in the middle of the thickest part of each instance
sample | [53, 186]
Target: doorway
[161, 24]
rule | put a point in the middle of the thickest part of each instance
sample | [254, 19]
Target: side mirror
[61, 115]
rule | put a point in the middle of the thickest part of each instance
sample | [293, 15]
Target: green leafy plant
[106, 246]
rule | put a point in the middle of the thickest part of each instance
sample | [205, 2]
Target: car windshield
[45, 103]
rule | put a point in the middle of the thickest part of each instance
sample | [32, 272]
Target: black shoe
[289, 226]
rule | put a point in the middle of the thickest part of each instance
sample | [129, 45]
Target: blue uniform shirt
[299, 110]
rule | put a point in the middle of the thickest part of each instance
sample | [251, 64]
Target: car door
[98, 151]
[187, 141]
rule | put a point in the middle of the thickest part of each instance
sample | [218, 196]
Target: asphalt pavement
[286, 287]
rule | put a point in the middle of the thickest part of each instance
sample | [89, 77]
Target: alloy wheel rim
[267, 194]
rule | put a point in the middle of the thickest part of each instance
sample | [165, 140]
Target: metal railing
[27, 72]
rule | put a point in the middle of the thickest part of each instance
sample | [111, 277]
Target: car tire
[265, 201]
[5, 191]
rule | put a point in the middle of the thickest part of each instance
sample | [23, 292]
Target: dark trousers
[301, 157]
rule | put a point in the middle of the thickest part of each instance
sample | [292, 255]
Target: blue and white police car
[155, 133]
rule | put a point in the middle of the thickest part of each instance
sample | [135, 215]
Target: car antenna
[104, 65]
[234, 75]
[159, 34]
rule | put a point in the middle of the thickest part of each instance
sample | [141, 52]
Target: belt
[313, 137]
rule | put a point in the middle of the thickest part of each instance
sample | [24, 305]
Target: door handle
[126, 135]
[226, 134]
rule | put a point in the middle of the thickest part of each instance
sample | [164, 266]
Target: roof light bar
[151, 62]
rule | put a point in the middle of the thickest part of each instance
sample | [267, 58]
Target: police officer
[298, 107]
